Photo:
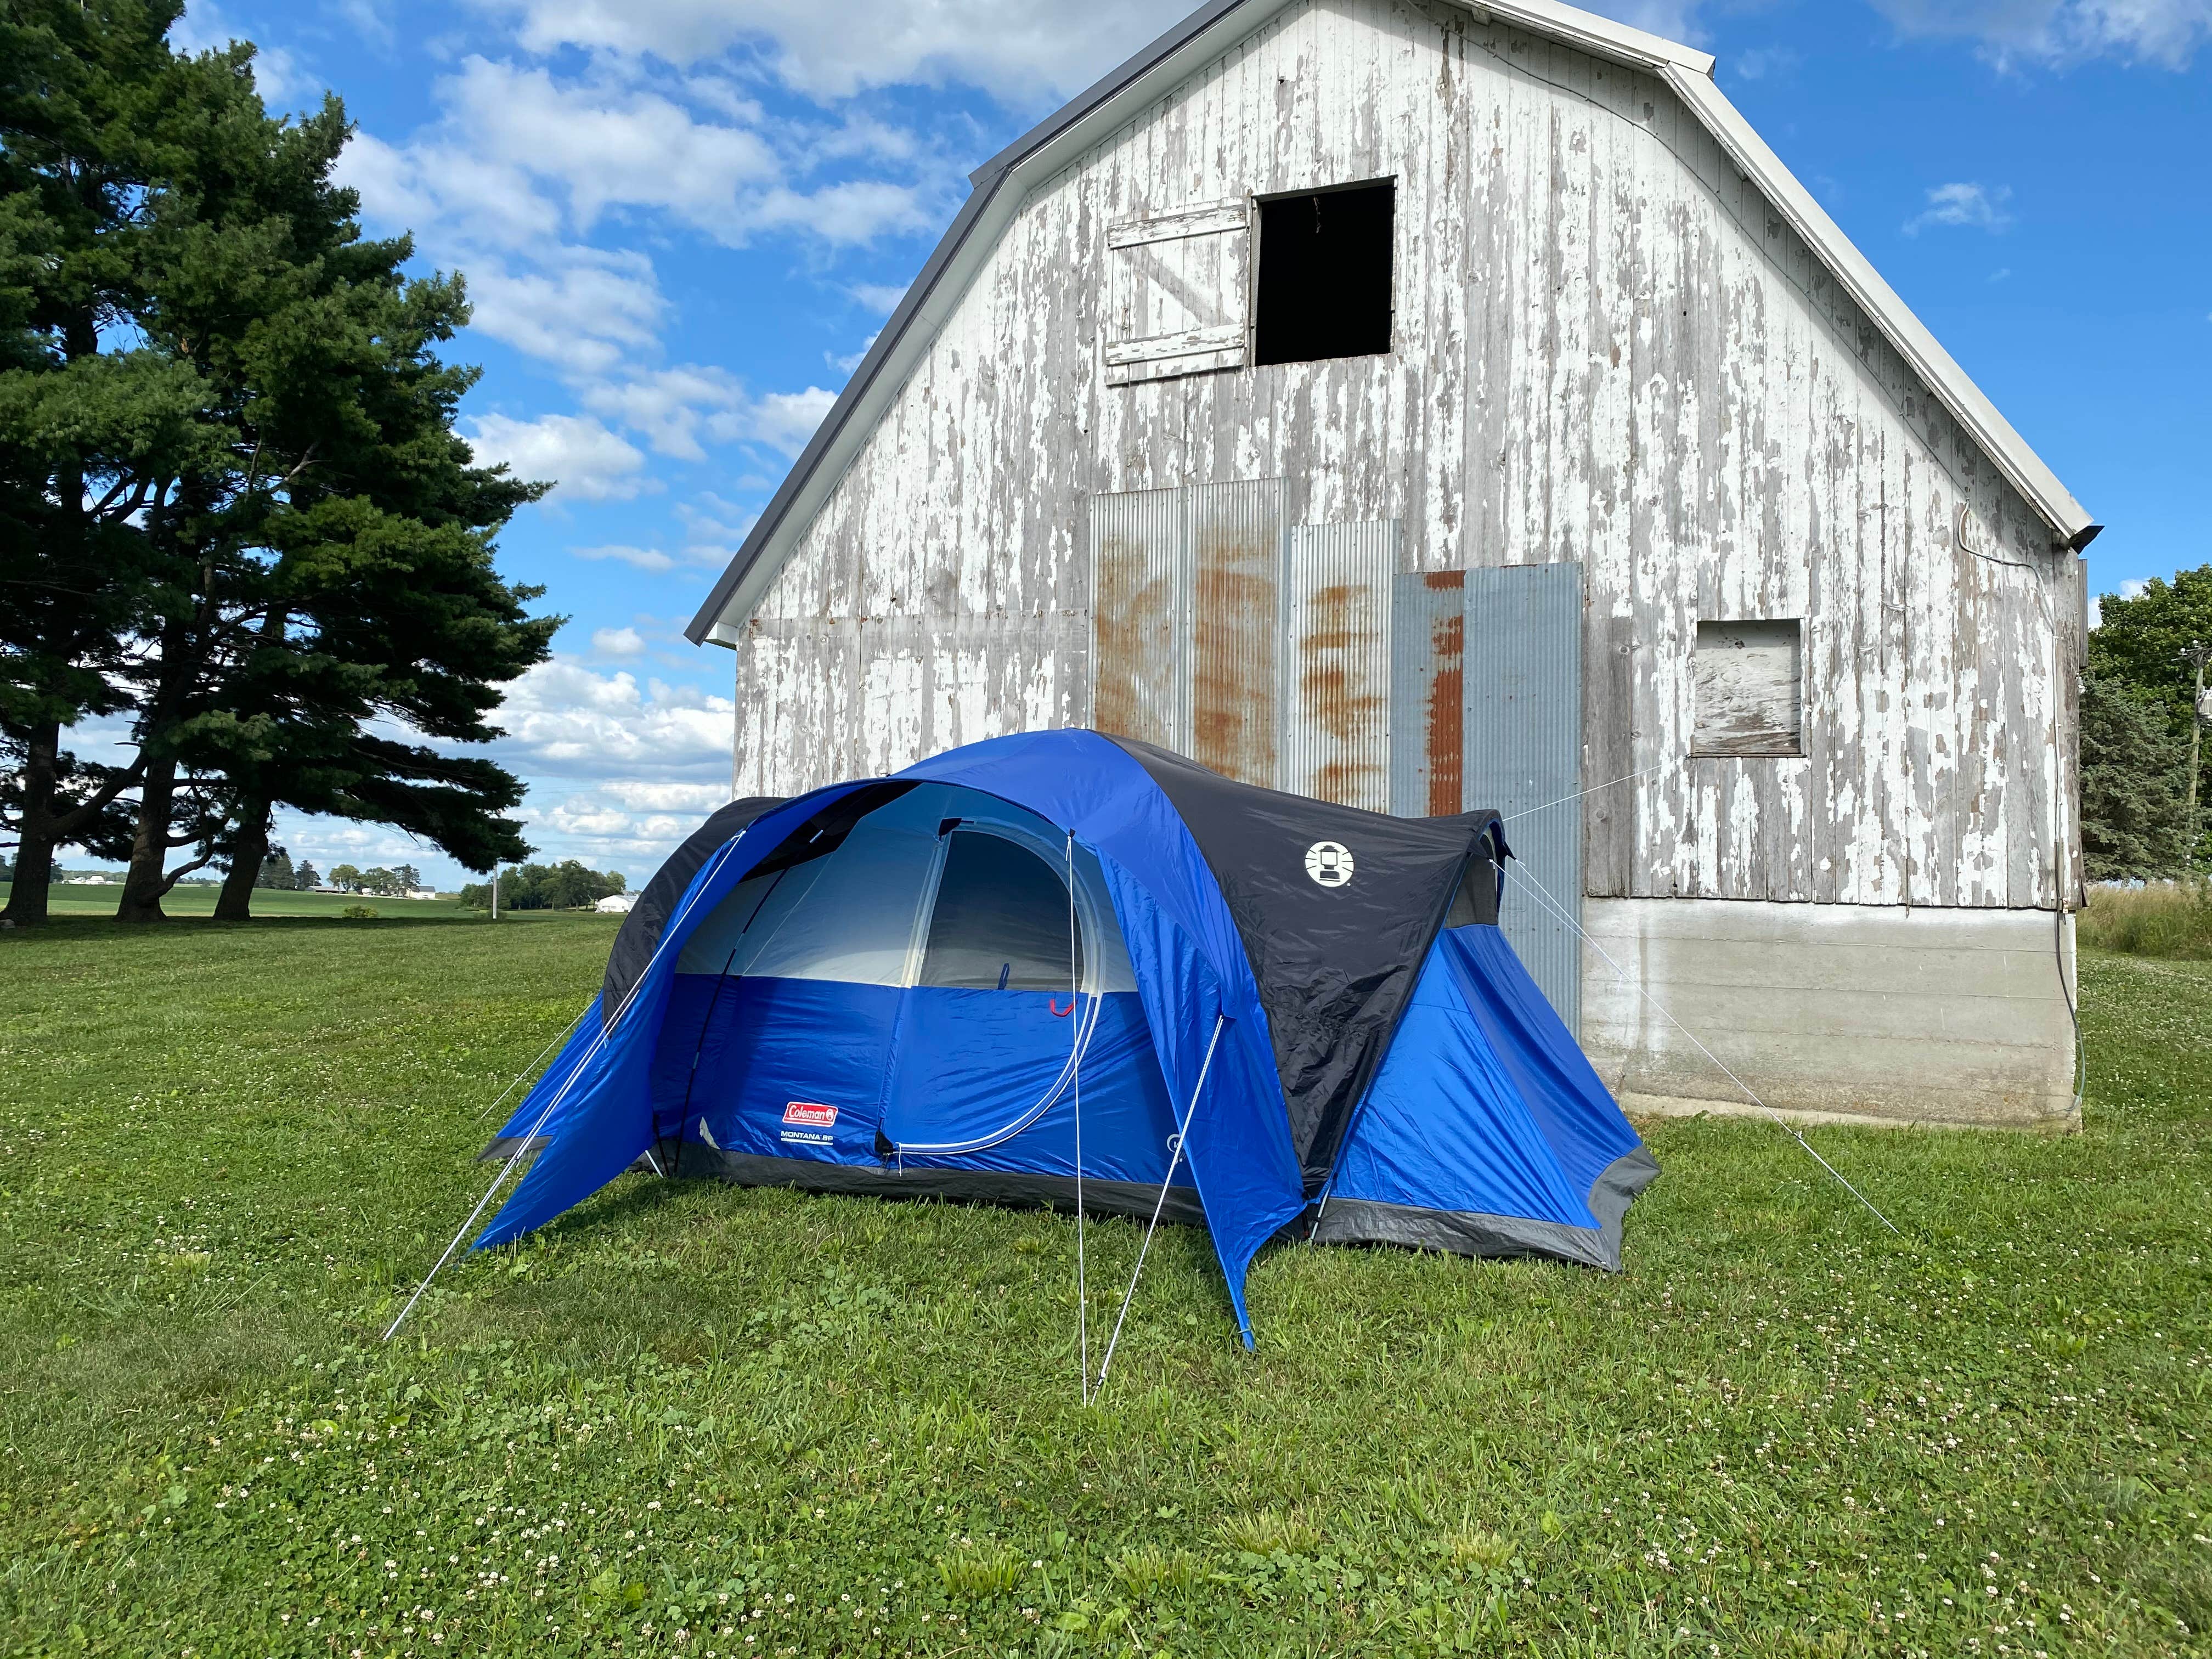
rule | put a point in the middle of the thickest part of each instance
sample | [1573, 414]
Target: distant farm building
[1429, 406]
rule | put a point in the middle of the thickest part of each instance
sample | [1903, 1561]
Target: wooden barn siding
[1609, 349]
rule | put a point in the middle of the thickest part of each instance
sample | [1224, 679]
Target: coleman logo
[811, 1113]
[1329, 863]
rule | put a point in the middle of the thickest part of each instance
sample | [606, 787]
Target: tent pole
[1159, 1204]
[1075, 1040]
[598, 1041]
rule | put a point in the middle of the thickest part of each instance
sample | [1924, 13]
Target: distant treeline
[567, 885]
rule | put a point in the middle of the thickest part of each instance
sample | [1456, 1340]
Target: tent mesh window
[1000, 922]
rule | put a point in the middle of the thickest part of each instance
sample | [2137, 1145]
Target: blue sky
[683, 220]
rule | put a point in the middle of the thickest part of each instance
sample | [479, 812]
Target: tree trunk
[34, 850]
[247, 852]
[143, 885]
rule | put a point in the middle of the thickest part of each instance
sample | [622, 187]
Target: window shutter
[1178, 293]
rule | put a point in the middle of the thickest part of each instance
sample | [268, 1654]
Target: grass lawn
[692, 1419]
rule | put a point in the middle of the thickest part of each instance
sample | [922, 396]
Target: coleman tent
[1063, 961]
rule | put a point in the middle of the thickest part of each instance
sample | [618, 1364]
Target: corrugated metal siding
[1524, 747]
[1336, 722]
[1428, 707]
[1235, 537]
[1140, 616]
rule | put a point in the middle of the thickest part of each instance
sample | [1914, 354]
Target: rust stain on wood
[1135, 623]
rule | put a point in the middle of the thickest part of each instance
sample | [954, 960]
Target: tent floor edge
[1002, 1187]
[1466, 1232]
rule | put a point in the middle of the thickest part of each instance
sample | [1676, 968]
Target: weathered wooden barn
[1428, 405]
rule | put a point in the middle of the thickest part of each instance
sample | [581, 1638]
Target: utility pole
[494, 892]
[2196, 653]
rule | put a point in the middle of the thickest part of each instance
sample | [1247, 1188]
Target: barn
[1429, 406]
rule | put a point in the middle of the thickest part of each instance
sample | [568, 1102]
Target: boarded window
[1749, 678]
[1178, 291]
[1324, 287]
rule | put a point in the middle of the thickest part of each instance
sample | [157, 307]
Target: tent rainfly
[1246, 1009]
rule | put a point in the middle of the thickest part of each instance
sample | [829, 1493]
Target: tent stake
[1098, 1389]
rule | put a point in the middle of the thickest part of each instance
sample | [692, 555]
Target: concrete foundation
[1836, 1011]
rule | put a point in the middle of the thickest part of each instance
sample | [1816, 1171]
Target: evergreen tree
[304, 544]
[304, 879]
[2138, 644]
[2134, 822]
[277, 870]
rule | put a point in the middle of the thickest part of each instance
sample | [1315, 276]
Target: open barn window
[1749, 679]
[1324, 287]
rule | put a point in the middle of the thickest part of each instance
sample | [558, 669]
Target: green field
[692, 1419]
[65, 900]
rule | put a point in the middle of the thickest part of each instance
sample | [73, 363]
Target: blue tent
[1257, 1011]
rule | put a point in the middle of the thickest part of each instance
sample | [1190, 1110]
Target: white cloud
[1018, 49]
[2059, 33]
[563, 720]
[2134, 587]
[847, 362]
[617, 641]
[1762, 61]
[585, 314]
[1671, 20]
[579, 454]
[782, 420]
[1975, 206]
[879, 297]
[644, 558]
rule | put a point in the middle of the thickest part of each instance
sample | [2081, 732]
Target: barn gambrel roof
[1000, 188]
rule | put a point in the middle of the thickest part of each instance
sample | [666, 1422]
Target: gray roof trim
[992, 203]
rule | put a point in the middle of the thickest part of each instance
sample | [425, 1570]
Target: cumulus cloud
[617, 641]
[579, 454]
[585, 312]
[2059, 32]
[1975, 206]
[1020, 50]
[563, 720]
[782, 420]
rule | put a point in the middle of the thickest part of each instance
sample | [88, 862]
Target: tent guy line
[523, 1145]
[1546, 806]
[532, 1066]
[1792, 1129]
[1174, 1162]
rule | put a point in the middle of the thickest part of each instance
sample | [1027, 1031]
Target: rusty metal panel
[1236, 538]
[1336, 683]
[1524, 755]
[1428, 653]
[1140, 616]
